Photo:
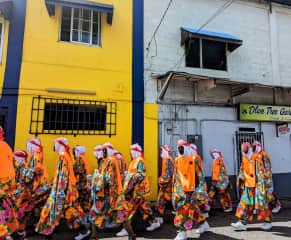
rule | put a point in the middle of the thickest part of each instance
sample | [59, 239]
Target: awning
[83, 4]
[6, 7]
[232, 41]
[204, 83]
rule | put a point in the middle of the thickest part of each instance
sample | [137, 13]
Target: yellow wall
[4, 53]
[151, 146]
[48, 63]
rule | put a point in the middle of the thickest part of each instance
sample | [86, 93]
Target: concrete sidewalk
[220, 229]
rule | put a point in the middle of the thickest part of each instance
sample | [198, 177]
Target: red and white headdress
[62, 145]
[258, 145]
[193, 149]
[186, 145]
[215, 153]
[33, 145]
[117, 154]
[20, 157]
[98, 151]
[78, 150]
[110, 149]
[166, 152]
[136, 151]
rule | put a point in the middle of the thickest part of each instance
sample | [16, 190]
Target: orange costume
[81, 170]
[188, 191]
[40, 188]
[63, 196]
[165, 180]
[8, 216]
[254, 179]
[220, 181]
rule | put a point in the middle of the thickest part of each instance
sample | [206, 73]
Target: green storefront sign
[264, 113]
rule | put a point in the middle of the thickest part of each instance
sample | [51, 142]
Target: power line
[153, 38]
[160, 23]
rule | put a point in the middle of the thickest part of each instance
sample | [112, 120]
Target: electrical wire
[160, 23]
[153, 38]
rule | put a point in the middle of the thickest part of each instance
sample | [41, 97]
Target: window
[81, 26]
[1, 39]
[76, 117]
[208, 54]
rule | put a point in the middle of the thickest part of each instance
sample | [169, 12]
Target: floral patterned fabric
[8, 215]
[81, 176]
[220, 185]
[165, 185]
[106, 189]
[23, 194]
[187, 204]
[135, 189]
[254, 199]
[62, 199]
[268, 177]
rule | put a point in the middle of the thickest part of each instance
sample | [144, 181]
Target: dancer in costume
[220, 185]
[188, 192]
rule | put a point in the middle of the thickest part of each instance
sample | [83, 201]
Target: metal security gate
[246, 137]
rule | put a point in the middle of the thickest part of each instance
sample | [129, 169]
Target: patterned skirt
[8, 215]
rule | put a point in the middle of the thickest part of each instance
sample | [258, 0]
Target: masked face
[181, 150]
[105, 153]
[19, 162]
[74, 153]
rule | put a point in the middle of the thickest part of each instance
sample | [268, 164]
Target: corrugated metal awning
[233, 42]
[83, 4]
[6, 7]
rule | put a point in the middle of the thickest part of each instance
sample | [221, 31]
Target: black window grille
[72, 117]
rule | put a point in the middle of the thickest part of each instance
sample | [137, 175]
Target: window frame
[43, 106]
[99, 30]
[201, 55]
[2, 21]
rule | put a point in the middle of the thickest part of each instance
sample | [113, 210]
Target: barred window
[76, 117]
[80, 26]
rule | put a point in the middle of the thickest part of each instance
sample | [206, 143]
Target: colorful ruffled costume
[188, 189]
[256, 183]
[81, 171]
[220, 185]
[40, 187]
[106, 189]
[8, 215]
[63, 199]
[165, 180]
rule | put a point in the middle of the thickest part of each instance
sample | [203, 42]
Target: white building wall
[218, 125]
[263, 58]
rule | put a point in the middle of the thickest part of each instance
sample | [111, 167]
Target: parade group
[116, 190]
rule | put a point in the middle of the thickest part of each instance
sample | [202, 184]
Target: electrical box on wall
[197, 140]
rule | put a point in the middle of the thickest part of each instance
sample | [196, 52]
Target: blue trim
[137, 73]
[13, 67]
[211, 34]
[188, 33]
[94, 6]
[6, 7]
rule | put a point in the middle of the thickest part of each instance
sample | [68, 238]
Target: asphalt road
[218, 221]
